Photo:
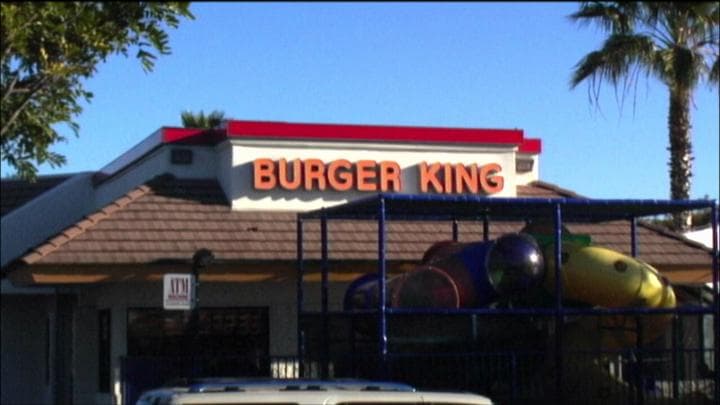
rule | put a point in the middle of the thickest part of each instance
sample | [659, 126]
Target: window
[221, 331]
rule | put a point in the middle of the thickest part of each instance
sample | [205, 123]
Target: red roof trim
[170, 135]
[530, 145]
[192, 136]
[321, 132]
[285, 130]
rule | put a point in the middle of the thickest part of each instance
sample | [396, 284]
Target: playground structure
[528, 316]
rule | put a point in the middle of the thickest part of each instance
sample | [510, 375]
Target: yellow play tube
[605, 278]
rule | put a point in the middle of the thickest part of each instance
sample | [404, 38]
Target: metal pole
[194, 321]
[300, 296]
[382, 286]
[639, 369]
[639, 382]
[201, 260]
[324, 293]
[558, 304]
[716, 295]
[486, 229]
[633, 237]
[675, 349]
[353, 345]
[455, 230]
[514, 377]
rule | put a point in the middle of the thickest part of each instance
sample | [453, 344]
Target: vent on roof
[523, 165]
[181, 156]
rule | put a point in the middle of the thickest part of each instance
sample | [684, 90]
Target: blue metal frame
[383, 207]
[324, 287]
[558, 303]
[486, 229]
[716, 295]
[300, 294]
[434, 207]
[633, 237]
[382, 290]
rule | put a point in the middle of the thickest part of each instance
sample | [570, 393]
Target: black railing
[512, 359]
[507, 377]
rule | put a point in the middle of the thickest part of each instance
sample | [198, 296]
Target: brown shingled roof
[14, 193]
[169, 219]
[542, 189]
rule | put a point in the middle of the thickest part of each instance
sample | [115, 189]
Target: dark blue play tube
[458, 275]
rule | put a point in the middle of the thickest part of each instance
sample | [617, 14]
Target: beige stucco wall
[24, 328]
[278, 296]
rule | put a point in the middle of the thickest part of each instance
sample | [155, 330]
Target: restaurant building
[84, 255]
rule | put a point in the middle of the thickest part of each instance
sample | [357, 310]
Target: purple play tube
[458, 275]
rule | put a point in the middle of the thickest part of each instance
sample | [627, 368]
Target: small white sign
[178, 291]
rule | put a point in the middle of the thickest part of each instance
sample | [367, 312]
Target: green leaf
[49, 48]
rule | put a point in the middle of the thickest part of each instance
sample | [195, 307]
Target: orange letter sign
[264, 174]
[428, 175]
[490, 181]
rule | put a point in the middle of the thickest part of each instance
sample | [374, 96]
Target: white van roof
[303, 392]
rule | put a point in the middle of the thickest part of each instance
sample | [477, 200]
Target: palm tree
[677, 43]
[200, 120]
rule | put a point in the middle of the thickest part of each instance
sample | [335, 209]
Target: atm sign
[178, 291]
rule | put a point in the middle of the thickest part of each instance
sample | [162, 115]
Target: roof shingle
[15, 193]
[169, 219]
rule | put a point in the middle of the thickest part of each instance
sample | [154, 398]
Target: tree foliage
[200, 120]
[50, 48]
[700, 218]
[677, 43]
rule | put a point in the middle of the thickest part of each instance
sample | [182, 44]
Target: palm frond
[679, 43]
[615, 59]
[189, 119]
[614, 17]
[714, 76]
[200, 120]
[215, 118]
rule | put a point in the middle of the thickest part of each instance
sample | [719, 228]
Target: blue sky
[480, 65]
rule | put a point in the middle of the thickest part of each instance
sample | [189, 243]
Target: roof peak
[322, 132]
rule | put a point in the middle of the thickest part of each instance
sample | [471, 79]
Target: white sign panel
[178, 291]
